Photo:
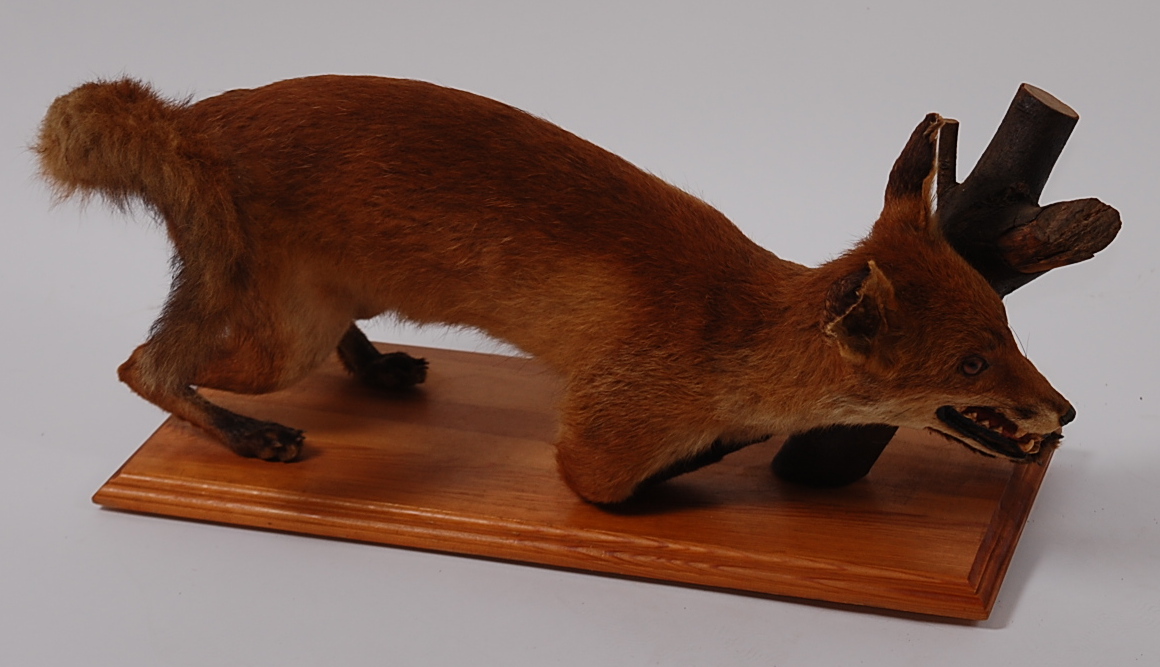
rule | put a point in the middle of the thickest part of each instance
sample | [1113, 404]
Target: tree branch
[994, 218]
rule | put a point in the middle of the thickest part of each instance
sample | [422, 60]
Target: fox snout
[1018, 433]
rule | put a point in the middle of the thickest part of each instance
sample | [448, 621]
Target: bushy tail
[122, 140]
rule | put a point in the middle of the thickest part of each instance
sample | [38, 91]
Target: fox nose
[1068, 417]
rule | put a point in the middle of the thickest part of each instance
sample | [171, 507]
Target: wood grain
[465, 465]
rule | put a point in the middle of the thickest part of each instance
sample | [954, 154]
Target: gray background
[787, 119]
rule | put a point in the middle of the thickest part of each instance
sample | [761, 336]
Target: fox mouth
[989, 431]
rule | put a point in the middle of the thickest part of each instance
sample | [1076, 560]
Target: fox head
[925, 336]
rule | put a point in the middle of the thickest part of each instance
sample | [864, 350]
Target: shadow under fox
[297, 208]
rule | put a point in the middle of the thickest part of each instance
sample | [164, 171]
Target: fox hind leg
[250, 437]
[391, 371]
[254, 345]
[244, 435]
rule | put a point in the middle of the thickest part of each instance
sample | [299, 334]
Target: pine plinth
[465, 465]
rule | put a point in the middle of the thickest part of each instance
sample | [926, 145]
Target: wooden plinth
[465, 465]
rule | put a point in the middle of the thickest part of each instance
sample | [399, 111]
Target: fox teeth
[1029, 443]
[993, 422]
[996, 421]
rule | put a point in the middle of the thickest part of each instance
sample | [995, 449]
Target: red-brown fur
[297, 208]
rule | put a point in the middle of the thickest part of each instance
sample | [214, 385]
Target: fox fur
[298, 208]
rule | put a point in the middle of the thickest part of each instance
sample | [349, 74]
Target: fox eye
[973, 365]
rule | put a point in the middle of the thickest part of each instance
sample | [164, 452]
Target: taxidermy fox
[298, 208]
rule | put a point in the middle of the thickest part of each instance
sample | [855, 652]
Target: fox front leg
[607, 449]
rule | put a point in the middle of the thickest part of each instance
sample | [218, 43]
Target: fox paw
[394, 371]
[269, 441]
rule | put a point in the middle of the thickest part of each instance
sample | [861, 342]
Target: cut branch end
[1061, 234]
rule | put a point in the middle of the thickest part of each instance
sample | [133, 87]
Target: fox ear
[910, 188]
[858, 311]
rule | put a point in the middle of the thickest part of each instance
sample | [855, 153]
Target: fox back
[298, 208]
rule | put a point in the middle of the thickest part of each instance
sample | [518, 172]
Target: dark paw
[254, 438]
[269, 441]
[394, 371]
[280, 443]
